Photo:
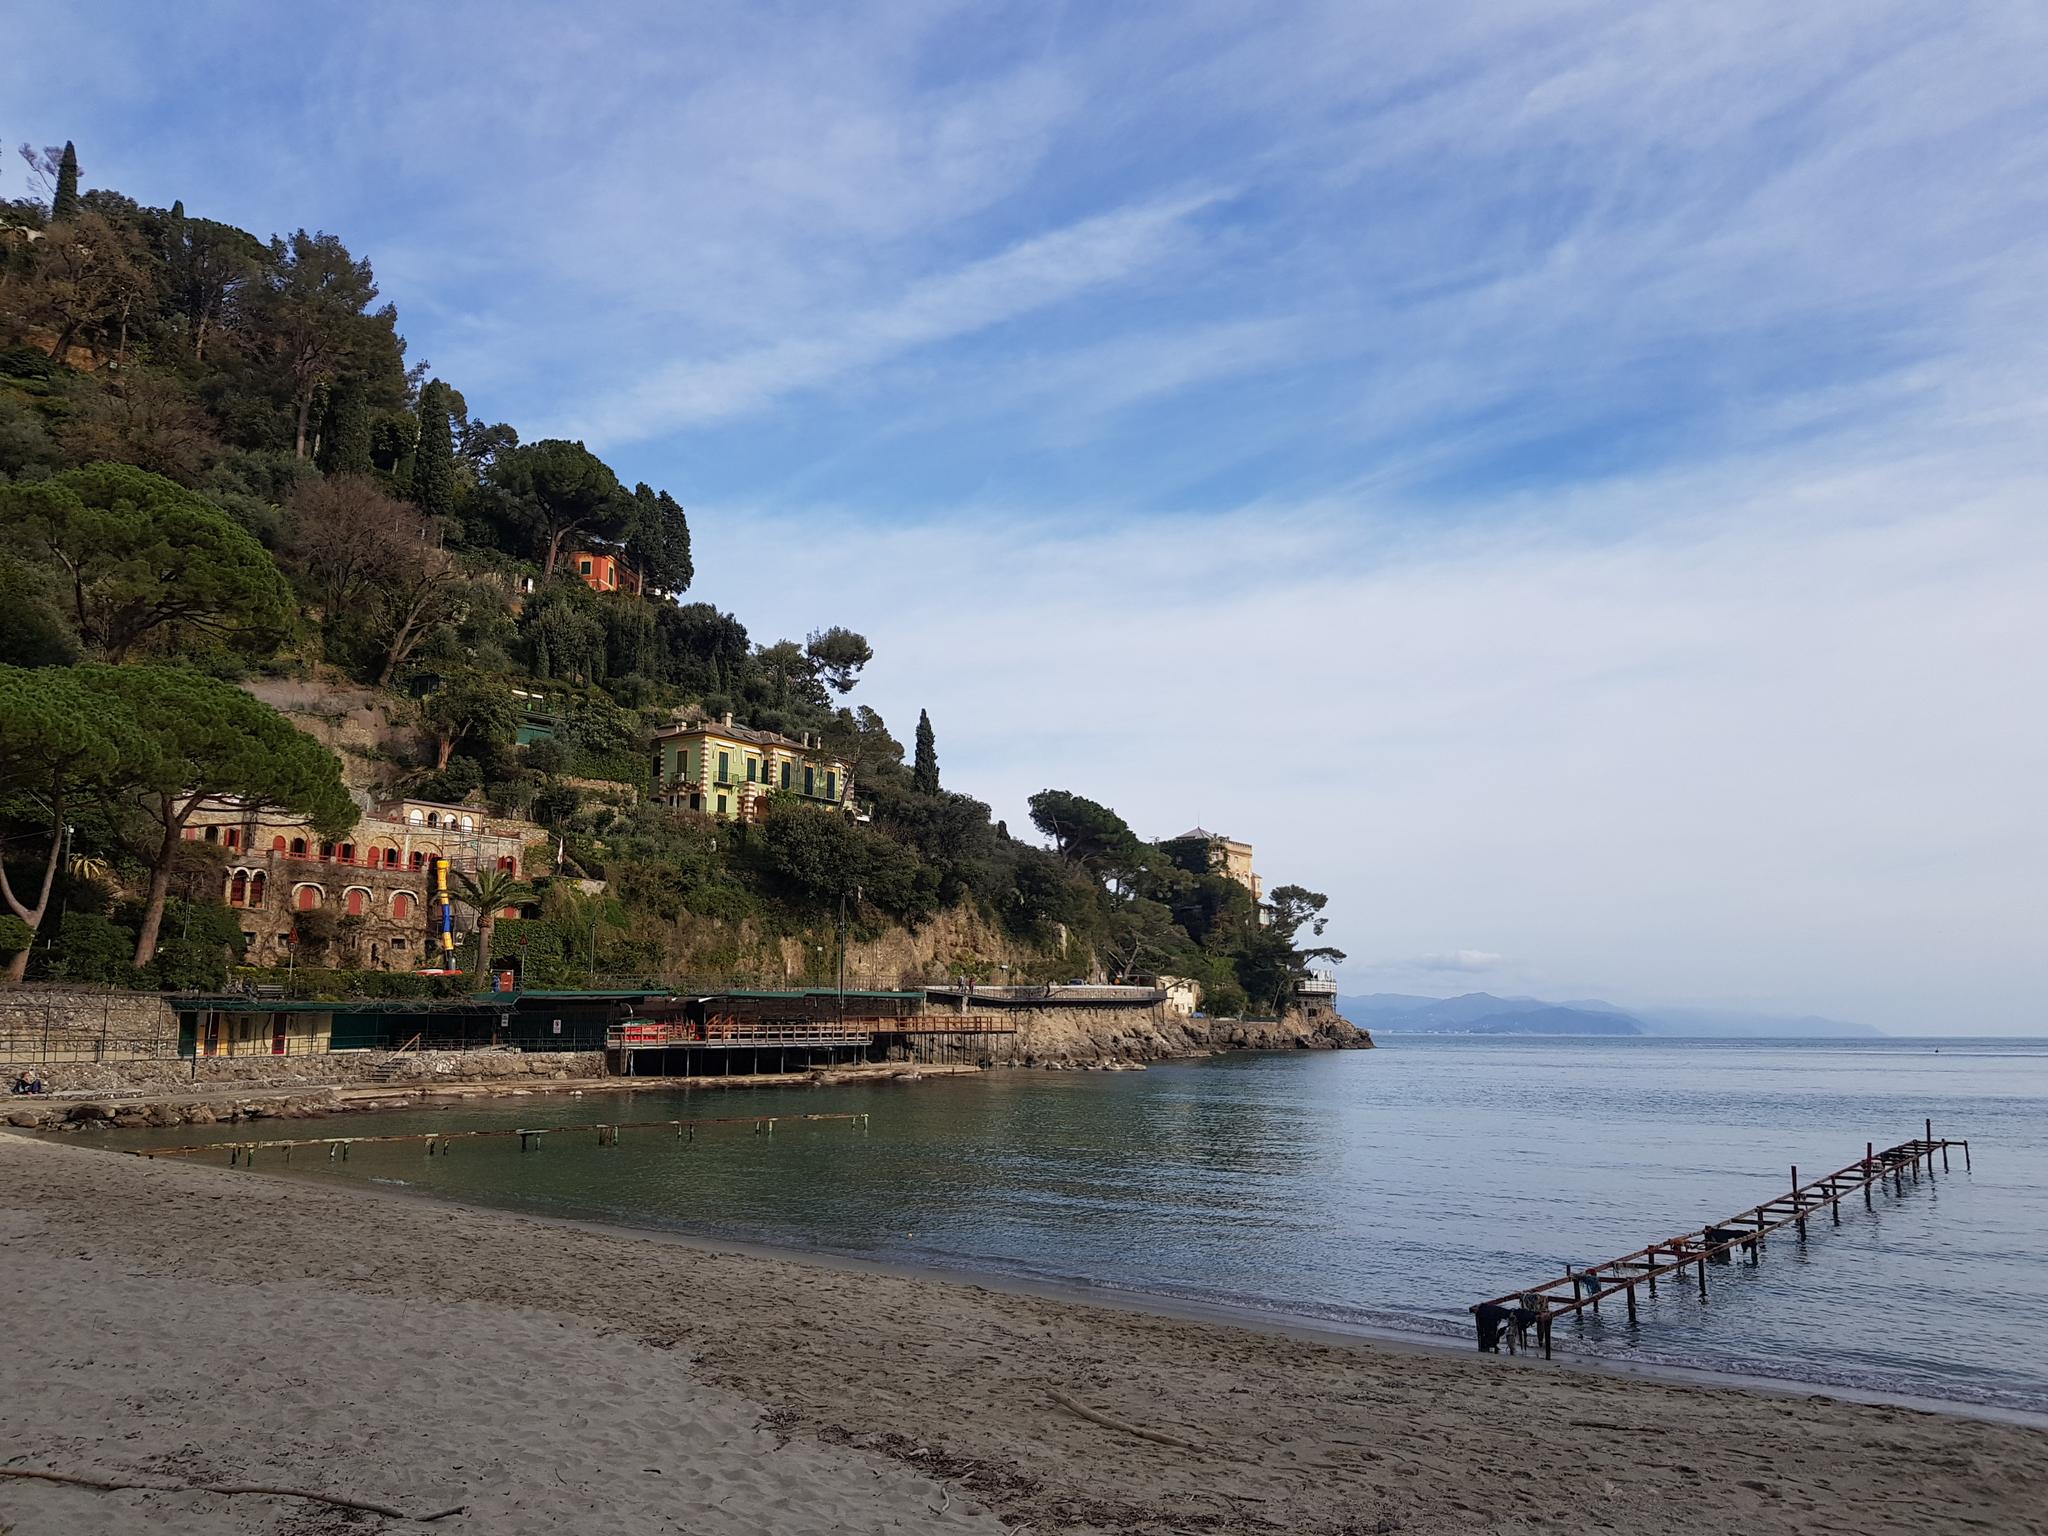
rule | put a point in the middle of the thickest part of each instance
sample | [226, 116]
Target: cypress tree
[345, 442]
[924, 772]
[433, 462]
[65, 203]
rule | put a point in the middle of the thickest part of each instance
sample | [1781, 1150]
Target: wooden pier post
[1930, 1146]
[1798, 1204]
[1869, 1155]
[1631, 1303]
[1966, 1157]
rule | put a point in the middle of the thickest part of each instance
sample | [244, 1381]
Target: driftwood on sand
[159, 1486]
[1074, 1405]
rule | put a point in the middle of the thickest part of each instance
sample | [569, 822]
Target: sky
[1565, 480]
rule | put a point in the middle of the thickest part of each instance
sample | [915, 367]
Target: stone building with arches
[377, 879]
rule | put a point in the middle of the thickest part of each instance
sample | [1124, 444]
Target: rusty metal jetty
[1508, 1318]
[607, 1131]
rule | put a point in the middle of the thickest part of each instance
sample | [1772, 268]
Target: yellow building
[1229, 857]
[730, 770]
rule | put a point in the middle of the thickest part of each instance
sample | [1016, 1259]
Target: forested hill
[220, 467]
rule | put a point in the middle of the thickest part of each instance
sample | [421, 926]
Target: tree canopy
[551, 489]
[211, 747]
[141, 554]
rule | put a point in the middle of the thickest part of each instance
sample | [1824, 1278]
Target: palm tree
[487, 892]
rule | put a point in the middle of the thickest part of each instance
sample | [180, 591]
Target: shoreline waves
[187, 1321]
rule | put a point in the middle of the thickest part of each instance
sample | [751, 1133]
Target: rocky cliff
[1084, 1037]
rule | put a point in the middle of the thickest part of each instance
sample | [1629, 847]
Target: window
[785, 773]
[348, 853]
[233, 839]
[433, 818]
[419, 859]
[213, 834]
[725, 767]
[468, 824]
[753, 769]
[831, 786]
[358, 898]
[398, 944]
[401, 905]
[256, 883]
[696, 802]
[298, 847]
[391, 858]
[810, 779]
[277, 844]
[308, 897]
[657, 767]
[583, 565]
[721, 805]
[238, 890]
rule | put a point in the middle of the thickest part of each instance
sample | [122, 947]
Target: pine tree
[433, 462]
[65, 203]
[924, 772]
[345, 440]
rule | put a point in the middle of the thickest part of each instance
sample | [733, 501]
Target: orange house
[606, 573]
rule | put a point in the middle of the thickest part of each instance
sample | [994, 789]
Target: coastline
[941, 1398]
[1251, 1318]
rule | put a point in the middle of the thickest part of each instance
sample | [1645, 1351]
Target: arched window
[277, 844]
[256, 883]
[419, 858]
[348, 853]
[433, 818]
[401, 905]
[306, 898]
[238, 889]
[391, 858]
[327, 850]
[358, 901]
[233, 839]
[415, 816]
[298, 847]
[213, 834]
[468, 825]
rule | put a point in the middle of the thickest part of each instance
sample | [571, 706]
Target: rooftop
[727, 728]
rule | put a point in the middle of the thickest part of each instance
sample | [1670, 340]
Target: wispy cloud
[1030, 276]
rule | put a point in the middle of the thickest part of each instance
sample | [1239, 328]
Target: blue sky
[1566, 480]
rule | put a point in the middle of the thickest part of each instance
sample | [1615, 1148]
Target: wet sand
[205, 1325]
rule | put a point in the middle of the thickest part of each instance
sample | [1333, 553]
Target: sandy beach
[177, 1323]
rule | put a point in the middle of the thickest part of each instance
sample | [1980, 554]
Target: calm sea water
[1377, 1189]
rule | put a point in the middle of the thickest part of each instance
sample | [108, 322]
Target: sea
[1374, 1192]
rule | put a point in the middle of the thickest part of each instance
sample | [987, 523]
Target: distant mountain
[1482, 1013]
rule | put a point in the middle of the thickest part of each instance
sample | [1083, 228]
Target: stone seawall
[210, 1089]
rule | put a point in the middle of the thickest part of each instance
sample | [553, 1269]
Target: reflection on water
[1370, 1189]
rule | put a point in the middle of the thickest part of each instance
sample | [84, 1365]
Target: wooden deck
[1507, 1318]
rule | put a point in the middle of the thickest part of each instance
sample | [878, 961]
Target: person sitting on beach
[29, 1082]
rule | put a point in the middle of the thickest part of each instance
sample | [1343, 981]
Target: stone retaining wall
[414, 1068]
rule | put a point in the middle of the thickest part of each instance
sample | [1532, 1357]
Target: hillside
[269, 577]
